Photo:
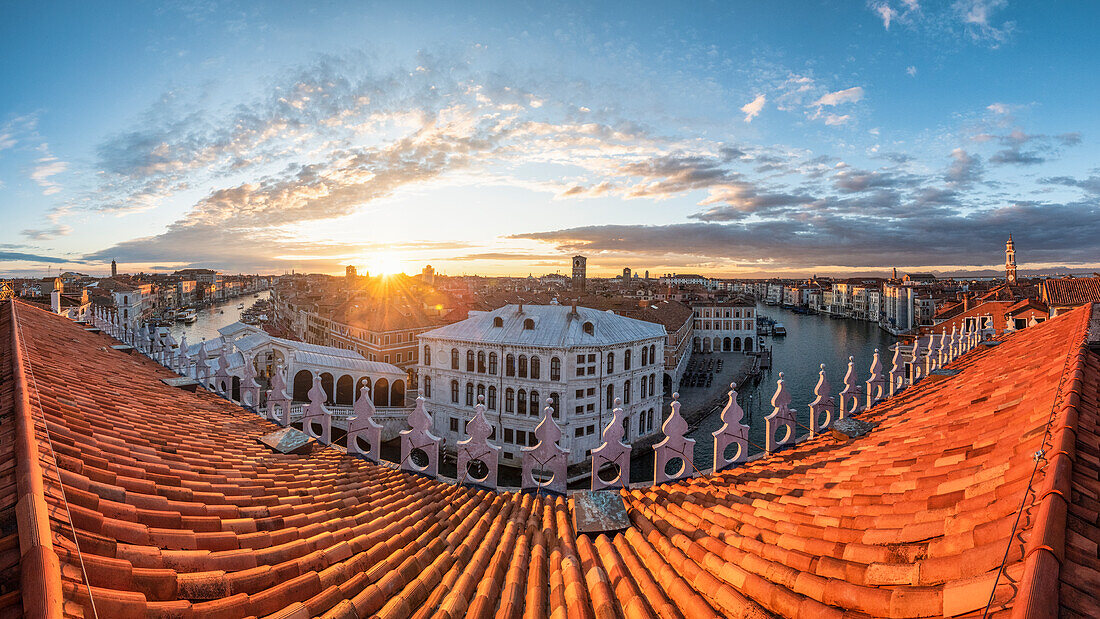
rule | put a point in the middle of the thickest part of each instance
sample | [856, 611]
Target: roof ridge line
[1038, 593]
[40, 566]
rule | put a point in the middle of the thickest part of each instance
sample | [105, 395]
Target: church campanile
[1010, 261]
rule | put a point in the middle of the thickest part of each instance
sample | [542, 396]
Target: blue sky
[729, 138]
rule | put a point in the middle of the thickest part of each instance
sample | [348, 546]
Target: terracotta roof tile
[178, 509]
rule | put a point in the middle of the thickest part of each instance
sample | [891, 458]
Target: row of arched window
[480, 363]
[648, 384]
[649, 355]
[515, 401]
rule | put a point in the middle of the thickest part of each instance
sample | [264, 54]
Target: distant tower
[114, 268]
[579, 263]
[1010, 261]
[647, 273]
[626, 273]
[350, 273]
[427, 275]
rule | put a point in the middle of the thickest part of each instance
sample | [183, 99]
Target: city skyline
[738, 141]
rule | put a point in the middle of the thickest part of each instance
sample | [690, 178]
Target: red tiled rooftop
[1071, 292]
[178, 511]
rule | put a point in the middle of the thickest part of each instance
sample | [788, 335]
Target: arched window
[626, 359]
[626, 392]
[610, 363]
[454, 392]
[643, 388]
[493, 363]
[652, 383]
[454, 358]
[510, 365]
[427, 386]
[481, 362]
[645, 356]
[469, 361]
[521, 402]
[427, 355]
[555, 368]
[492, 398]
[529, 324]
[653, 353]
[554, 398]
[509, 400]
[535, 408]
[469, 394]
[523, 366]
[610, 397]
[480, 390]
[535, 367]
[589, 328]
[498, 322]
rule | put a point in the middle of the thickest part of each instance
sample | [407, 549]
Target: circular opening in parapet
[418, 458]
[315, 428]
[732, 452]
[609, 473]
[363, 445]
[675, 467]
[784, 434]
[542, 477]
[476, 470]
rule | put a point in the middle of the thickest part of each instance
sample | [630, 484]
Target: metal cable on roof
[1040, 456]
[53, 455]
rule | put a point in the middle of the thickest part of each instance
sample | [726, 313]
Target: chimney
[574, 310]
[966, 302]
[55, 301]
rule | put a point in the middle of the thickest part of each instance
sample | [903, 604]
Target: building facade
[518, 356]
[727, 326]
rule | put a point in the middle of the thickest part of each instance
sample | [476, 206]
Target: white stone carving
[876, 384]
[849, 396]
[612, 451]
[419, 437]
[278, 400]
[317, 414]
[674, 446]
[364, 426]
[782, 418]
[546, 456]
[732, 431]
[476, 447]
[823, 404]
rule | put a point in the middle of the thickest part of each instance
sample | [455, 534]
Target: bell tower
[579, 275]
[1010, 261]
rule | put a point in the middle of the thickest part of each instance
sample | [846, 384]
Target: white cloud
[911, 70]
[999, 109]
[977, 17]
[848, 95]
[886, 13]
[752, 108]
[834, 119]
[46, 167]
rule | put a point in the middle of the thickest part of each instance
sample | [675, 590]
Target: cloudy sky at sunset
[725, 138]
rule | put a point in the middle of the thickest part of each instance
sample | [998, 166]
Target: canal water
[810, 341]
[212, 318]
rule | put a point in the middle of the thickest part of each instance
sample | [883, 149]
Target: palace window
[555, 368]
[469, 361]
[454, 358]
[454, 392]
[493, 363]
[469, 394]
[427, 355]
[521, 401]
[535, 369]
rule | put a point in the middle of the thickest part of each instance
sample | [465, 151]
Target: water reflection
[212, 318]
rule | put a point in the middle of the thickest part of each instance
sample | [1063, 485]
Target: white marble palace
[519, 356]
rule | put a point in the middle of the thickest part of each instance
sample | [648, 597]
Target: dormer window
[589, 328]
[498, 322]
[529, 324]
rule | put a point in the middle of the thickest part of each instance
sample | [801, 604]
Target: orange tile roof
[1070, 292]
[174, 508]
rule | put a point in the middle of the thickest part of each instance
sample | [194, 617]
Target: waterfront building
[725, 326]
[517, 356]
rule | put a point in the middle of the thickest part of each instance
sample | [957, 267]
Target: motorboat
[189, 316]
[779, 330]
[240, 306]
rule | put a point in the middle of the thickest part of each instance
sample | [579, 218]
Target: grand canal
[811, 340]
[212, 318]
